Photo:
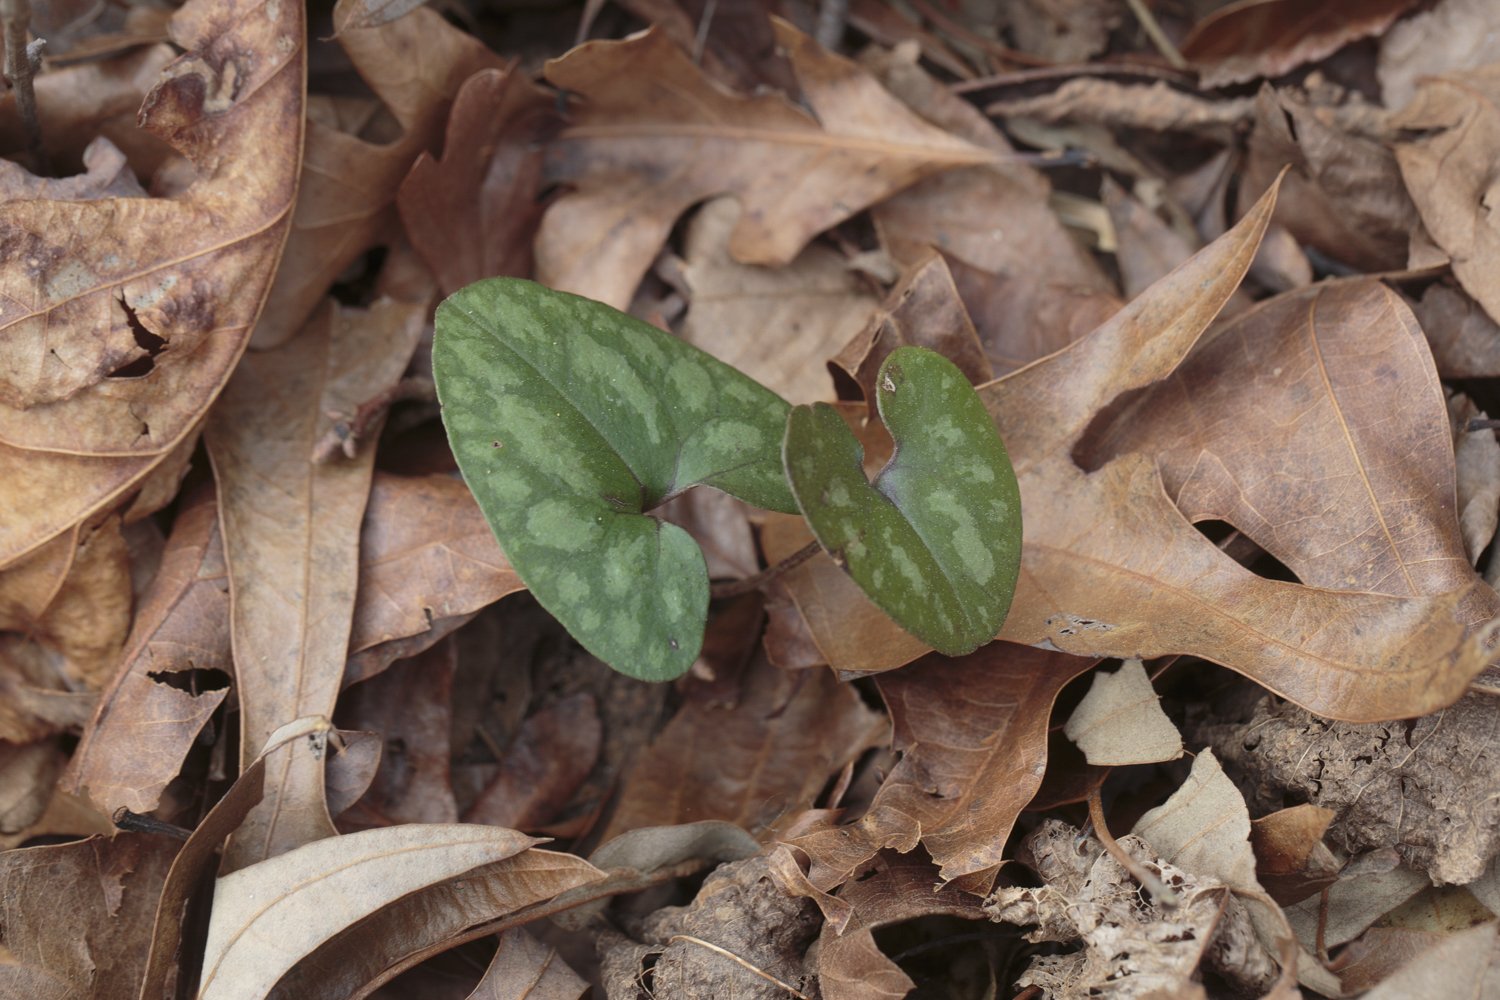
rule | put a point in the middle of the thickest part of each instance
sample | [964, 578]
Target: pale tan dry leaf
[653, 136]
[777, 325]
[473, 213]
[173, 675]
[28, 772]
[35, 701]
[157, 295]
[1354, 903]
[749, 762]
[1466, 964]
[1062, 31]
[415, 65]
[526, 969]
[78, 914]
[1454, 125]
[1454, 35]
[350, 15]
[1465, 340]
[1476, 456]
[291, 540]
[1120, 720]
[270, 915]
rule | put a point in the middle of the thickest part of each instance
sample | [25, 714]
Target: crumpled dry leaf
[893, 888]
[353, 14]
[1355, 902]
[1344, 194]
[77, 915]
[1243, 41]
[272, 914]
[1062, 31]
[1454, 129]
[1028, 285]
[1291, 860]
[972, 732]
[748, 763]
[141, 283]
[415, 65]
[291, 541]
[1132, 945]
[1466, 964]
[1476, 457]
[1465, 340]
[473, 213]
[554, 750]
[654, 135]
[1120, 720]
[1454, 35]
[777, 325]
[174, 673]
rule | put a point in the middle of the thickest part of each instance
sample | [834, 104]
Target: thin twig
[1158, 37]
[762, 973]
[21, 63]
[134, 822]
[734, 588]
[1164, 897]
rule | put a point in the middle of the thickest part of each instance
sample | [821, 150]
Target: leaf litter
[1222, 276]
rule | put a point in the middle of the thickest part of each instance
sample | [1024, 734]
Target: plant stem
[1164, 897]
[734, 588]
[21, 62]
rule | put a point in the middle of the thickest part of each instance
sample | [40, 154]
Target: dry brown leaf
[272, 914]
[409, 708]
[28, 774]
[923, 309]
[1291, 860]
[972, 733]
[473, 213]
[1148, 247]
[173, 676]
[749, 762]
[1466, 964]
[1454, 129]
[1257, 38]
[1062, 31]
[1120, 720]
[349, 15]
[526, 969]
[76, 916]
[1029, 286]
[653, 136]
[158, 295]
[1344, 194]
[291, 541]
[415, 65]
[552, 753]
[1358, 491]
[1476, 456]
[1454, 35]
[777, 325]
[426, 554]
[851, 965]
[1354, 903]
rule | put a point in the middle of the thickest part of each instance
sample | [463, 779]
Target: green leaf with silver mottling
[569, 420]
[935, 541]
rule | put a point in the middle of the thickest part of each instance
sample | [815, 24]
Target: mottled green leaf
[936, 539]
[571, 419]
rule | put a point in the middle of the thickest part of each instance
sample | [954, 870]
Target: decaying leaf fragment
[654, 135]
[121, 317]
[1120, 721]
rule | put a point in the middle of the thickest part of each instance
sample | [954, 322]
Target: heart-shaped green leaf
[935, 541]
[569, 420]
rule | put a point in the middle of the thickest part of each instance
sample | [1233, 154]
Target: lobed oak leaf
[654, 135]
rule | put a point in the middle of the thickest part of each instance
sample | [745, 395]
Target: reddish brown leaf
[291, 541]
[747, 763]
[1271, 37]
[654, 136]
[526, 969]
[1290, 859]
[473, 213]
[551, 755]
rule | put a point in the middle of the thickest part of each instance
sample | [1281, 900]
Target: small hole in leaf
[194, 680]
[145, 340]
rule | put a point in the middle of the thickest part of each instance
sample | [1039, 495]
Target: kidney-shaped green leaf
[935, 541]
[569, 420]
